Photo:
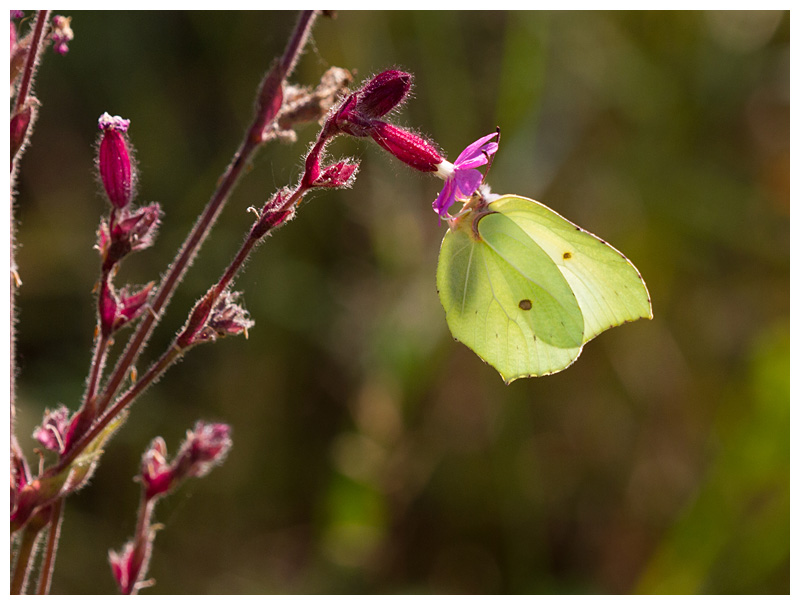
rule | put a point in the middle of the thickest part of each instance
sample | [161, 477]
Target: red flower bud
[214, 318]
[19, 128]
[114, 161]
[117, 311]
[340, 174]
[205, 447]
[62, 34]
[51, 433]
[406, 146]
[156, 472]
[383, 93]
[125, 567]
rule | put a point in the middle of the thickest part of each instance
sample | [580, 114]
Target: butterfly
[526, 289]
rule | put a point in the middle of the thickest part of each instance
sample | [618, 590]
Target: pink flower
[462, 179]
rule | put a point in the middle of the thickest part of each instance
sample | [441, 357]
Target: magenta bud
[340, 174]
[383, 93]
[51, 433]
[62, 34]
[124, 567]
[156, 472]
[273, 214]
[19, 128]
[17, 14]
[205, 447]
[406, 146]
[114, 160]
[215, 317]
[131, 233]
[117, 311]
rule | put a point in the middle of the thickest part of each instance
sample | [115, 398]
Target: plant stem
[27, 550]
[48, 563]
[206, 220]
[142, 543]
[32, 60]
[148, 378]
[31, 63]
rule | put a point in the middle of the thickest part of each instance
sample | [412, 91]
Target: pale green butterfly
[525, 288]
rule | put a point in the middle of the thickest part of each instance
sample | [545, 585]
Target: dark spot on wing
[525, 304]
[567, 255]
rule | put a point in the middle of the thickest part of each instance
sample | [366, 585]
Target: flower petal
[467, 182]
[445, 199]
[475, 151]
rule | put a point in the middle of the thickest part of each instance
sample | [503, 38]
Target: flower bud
[214, 317]
[156, 474]
[117, 311]
[19, 127]
[383, 93]
[131, 233]
[340, 174]
[124, 567]
[62, 34]
[406, 146]
[205, 447]
[114, 160]
[53, 429]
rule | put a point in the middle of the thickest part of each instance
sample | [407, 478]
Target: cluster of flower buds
[214, 316]
[359, 116]
[204, 447]
[61, 34]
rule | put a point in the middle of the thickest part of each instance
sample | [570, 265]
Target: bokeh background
[372, 453]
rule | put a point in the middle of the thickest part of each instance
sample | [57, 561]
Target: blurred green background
[372, 453]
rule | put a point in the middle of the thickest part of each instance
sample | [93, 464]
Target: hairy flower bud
[117, 311]
[406, 146]
[20, 123]
[383, 93]
[51, 433]
[62, 34]
[156, 473]
[114, 162]
[131, 232]
[205, 447]
[214, 317]
[126, 567]
[340, 174]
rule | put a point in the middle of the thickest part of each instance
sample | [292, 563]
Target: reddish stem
[32, 60]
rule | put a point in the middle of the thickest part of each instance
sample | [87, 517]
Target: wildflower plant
[78, 437]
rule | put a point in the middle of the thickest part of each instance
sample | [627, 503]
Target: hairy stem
[148, 378]
[206, 220]
[26, 553]
[32, 60]
[48, 563]
[143, 543]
